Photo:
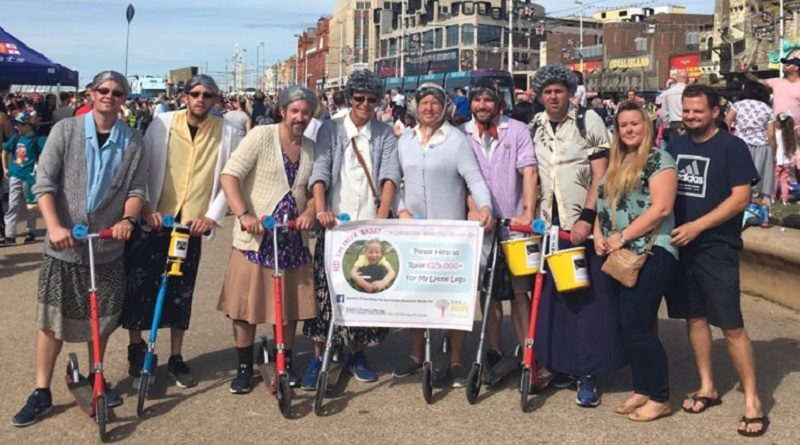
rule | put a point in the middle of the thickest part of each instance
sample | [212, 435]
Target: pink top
[785, 97]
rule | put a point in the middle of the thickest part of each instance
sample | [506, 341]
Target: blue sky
[89, 35]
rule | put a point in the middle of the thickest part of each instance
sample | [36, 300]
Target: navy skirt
[578, 333]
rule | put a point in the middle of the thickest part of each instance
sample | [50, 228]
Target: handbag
[623, 265]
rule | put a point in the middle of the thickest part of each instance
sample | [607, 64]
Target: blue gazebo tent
[21, 65]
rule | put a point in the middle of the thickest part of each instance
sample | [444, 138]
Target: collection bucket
[523, 255]
[570, 269]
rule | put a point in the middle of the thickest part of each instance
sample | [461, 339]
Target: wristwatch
[130, 219]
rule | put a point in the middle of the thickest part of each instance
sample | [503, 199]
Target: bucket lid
[524, 238]
[572, 249]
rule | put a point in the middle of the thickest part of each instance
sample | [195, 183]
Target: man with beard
[715, 172]
[577, 334]
[187, 150]
[505, 155]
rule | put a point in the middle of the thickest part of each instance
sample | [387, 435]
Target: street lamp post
[510, 38]
[129, 13]
[258, 64]
[580, 32]
[402, 37]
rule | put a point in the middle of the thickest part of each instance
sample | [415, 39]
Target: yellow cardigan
[258, 164]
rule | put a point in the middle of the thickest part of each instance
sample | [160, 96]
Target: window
[489, 35]
[623, 13]
[641, 43]
[468, 34]
[427, 39]
[438, 38]
[392, 47]
[469, 8]
[452, 36]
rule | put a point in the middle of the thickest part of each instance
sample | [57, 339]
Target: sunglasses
[361, 99]
[196, 94]
[105, 91]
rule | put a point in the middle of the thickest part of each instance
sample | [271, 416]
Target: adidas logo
[691, 174]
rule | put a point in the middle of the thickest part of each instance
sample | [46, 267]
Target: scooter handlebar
[81, 232]
[269, 222]
[168, 222]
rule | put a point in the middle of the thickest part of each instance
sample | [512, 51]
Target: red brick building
[312, 55]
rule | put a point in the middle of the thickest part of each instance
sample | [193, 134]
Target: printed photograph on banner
[371, 266]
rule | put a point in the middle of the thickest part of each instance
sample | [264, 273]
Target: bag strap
[363, 165]
[653, 234]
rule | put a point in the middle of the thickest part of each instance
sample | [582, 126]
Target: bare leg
[176, 340]
[289, 333]
[456, 347]
[318, 348]
[244, 333]
[520, 316]
[493, 336]
[700, 338]
[740, 349]
[47, 349]
[134, 337]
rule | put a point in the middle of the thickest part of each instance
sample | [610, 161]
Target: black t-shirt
[706, 174]
[102, 138]
[193, 130]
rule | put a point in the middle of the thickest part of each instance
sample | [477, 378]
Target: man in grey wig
[187, 151]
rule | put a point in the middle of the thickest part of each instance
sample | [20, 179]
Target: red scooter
[91, 398]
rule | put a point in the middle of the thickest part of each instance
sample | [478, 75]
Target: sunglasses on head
[370, 100]
[104, 92]
[196, 94]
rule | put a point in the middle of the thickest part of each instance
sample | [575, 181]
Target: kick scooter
[176, 255]
[90, 397]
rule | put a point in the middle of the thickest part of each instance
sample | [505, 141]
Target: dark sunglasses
[196, 94]
[104, 92]
[370, 100]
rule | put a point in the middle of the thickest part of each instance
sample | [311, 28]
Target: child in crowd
[785, 154]
[371, 271]
[20, 154]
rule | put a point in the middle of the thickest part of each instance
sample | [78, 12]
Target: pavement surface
[390, 411]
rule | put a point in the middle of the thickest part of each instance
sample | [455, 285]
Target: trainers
[360, 368]
[8, 241]
[112, 398]
[30, 238]
[458, 374]
[309, 381]
[136, 353]
[562, 381]
[243, 383]
[39, 403]
[181, 371]
[588, 396]
[407, 367]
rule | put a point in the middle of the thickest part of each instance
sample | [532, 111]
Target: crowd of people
[665, 183]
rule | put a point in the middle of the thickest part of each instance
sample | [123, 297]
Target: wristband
[130, 219]
[242, 215]
[587, 215]
[622, 238]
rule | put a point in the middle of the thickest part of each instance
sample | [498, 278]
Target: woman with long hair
[634, 211]
[785, 155]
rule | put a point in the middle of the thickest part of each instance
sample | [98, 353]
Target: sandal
[665, 411]
[763, 421]
[706, 402]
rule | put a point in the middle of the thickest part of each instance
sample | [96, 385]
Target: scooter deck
[83, 392]
[508, 364]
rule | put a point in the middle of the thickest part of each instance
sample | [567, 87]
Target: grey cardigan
[62, 172]
[330, 146]
[435, 181]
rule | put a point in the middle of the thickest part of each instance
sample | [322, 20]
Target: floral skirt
[145, 259]
[317, 328]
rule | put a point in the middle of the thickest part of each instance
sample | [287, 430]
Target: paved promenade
[389, 411]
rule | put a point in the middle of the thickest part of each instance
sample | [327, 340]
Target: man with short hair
[86, 106]
[187, 150]
[505, 155]
[461, 103]
[672, 105]
[340, 103]
[715, 172]
[578, 334]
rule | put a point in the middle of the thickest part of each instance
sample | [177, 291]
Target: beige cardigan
[258, 164]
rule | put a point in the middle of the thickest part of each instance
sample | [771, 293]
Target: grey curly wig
[554, 73]
[363, 81]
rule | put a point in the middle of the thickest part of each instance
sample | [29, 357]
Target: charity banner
[404, 273]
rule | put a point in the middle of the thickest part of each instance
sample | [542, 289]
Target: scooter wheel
[322, 386]
[524, 388]
[144, 385]
[474, 383]
[101, 415]
[427, 382]
[284, 395]
[72, 368]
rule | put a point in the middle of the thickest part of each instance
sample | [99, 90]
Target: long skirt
[145, 260]
[63, 301]
[247, 292]
[317, 329]
[579, 333]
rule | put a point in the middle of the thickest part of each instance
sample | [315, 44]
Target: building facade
[352, 42]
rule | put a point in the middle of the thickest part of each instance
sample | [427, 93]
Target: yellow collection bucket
[570, 269]
[523, 255]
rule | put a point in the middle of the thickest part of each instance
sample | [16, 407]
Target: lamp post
[258, 65]
[402, 37]
[510, 38]
[580, 45]
[129, 13]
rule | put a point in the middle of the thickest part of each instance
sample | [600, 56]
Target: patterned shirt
[636, 203]
[752, 118]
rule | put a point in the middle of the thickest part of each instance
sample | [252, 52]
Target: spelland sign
[629, 62]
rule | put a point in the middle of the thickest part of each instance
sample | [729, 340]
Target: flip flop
[707, 402]
[764, 421]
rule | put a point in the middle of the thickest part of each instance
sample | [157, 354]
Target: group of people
[680, 207]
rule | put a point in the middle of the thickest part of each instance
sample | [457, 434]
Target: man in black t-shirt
[715, 172]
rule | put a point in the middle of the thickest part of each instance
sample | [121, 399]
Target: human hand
[154, 220]
[614, 242]
[522, 220]
[685, 234]
[486, 218]
[600, 245]
[404, 214]
[61, 238]
[304, 222]
[251, 225]
[122, 230]
[580, 232]
[326, 219]
[200, 226]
